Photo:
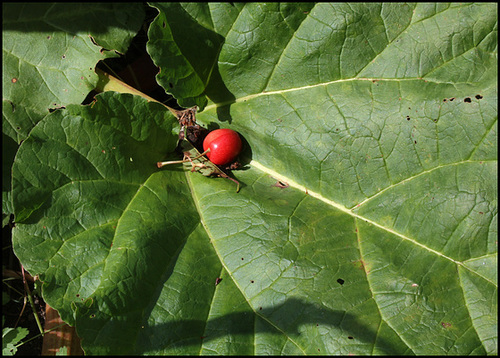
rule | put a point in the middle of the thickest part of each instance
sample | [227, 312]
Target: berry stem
[186, 159]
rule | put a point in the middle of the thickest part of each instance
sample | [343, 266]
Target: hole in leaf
[281, 184]
[467, 100]
[350, 337]
[340, 281]
[478, 96]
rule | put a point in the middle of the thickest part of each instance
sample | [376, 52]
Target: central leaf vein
[355, 215]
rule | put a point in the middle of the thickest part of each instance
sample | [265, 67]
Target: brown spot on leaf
[361, 265]
[281, 184]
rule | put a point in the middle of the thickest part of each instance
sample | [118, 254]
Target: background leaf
[10, 338]
[49, 59]
[185, 51]
[381, 119]
[49, 56]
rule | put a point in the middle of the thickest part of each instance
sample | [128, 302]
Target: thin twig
[30, 298]
[188, 159]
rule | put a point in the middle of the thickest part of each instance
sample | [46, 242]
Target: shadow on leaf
[295, 320]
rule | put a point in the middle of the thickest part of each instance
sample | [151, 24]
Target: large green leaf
[367, 218]
[49, 58]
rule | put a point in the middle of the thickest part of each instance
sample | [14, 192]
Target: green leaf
[10, 338]
[63, 351]
[49, 58]
[185, 65]
[366, 222]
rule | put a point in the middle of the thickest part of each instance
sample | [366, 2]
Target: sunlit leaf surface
[366, 222]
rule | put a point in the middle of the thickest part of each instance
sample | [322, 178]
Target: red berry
[224, 145]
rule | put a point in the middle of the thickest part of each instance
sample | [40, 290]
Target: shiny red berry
[224, 145]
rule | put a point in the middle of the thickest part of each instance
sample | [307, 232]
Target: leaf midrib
[323, 84]
[342, 208]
